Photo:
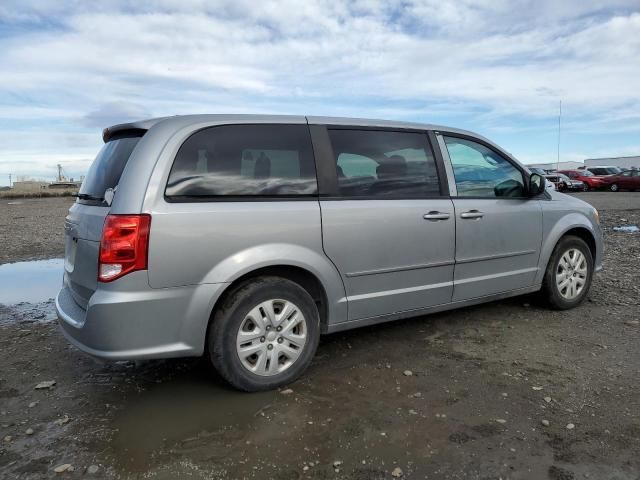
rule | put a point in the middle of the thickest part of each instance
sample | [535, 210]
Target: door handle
[433, 216]
[472, 214]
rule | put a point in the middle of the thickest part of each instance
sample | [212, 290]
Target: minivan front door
[387, 228]
[498, 229]
[497, 246]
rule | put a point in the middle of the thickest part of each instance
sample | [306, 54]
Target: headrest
[394, 166]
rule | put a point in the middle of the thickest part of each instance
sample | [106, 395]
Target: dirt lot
[484, 380]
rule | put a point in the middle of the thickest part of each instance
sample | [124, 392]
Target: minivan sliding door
[385, 224]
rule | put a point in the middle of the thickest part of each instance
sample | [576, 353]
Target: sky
[499, 68]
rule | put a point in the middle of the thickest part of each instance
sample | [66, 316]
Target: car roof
[181, 121]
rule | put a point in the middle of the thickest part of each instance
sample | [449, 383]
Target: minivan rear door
[83, 225]
[385, 224]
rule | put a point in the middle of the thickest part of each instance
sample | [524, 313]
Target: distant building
[29, 186]
[71, 185]
[557, 165]
[622, 162]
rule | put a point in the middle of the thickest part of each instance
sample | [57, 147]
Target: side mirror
[536, 185]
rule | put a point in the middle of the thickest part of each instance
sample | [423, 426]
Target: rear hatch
[83, 225]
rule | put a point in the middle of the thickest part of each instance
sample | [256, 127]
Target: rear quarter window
[244, 160]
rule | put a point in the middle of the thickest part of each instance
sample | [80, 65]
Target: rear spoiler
[137, 129]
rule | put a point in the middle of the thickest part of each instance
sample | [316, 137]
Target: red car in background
[629, 180]
[591, 181]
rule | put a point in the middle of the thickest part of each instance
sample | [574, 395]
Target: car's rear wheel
[264, 334]
[614, 187]
[569, 273]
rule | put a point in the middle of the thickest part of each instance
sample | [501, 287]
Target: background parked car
[604, 171]
[590, 181]
[562, 182]
[629, 180]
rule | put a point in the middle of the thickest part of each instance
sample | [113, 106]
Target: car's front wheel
[265, 334]
[614, 187]
[585, 187]
[569, 273]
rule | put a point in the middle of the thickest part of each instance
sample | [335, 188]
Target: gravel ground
[504, 390]
[31, 228]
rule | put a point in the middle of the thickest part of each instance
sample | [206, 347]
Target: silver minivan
[244, 238]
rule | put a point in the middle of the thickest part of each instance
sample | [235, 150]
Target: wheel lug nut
[279, 328]
[268, 327]
[262, 339]
[270, 347]
[279, 339]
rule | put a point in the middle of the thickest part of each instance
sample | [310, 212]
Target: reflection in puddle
[30, 282]
[180, 409]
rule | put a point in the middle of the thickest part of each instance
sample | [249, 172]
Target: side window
[244, 160]
[376, 163]
[481, 172]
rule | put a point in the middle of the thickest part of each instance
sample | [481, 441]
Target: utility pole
[559, 120]
[10, 184]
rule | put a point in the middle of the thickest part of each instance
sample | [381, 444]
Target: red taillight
[124, 246]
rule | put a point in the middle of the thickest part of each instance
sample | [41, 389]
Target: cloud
[496, 66]
[114, 112]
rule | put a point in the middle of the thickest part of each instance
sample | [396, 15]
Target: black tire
[614, 187]
[550, 290]
[229, 317]
[585, 188]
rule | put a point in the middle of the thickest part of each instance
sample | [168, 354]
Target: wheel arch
[577, 226]
[303, 277]
[584, 234]
[309, 268]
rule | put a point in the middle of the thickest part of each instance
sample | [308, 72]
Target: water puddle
[185, 410]
[30, 282]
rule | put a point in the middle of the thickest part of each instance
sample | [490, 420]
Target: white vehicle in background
[548, 185]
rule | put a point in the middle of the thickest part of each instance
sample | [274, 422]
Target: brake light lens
[124, 246]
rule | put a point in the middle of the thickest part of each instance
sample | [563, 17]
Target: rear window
[106, 169]
[244, 160]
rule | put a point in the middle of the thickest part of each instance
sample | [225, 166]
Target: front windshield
[587, 173]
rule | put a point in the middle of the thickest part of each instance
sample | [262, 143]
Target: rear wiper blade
[86, 196]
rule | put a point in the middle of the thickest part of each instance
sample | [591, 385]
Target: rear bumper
[129, 320]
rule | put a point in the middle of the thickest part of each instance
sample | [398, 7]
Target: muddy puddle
[28, 289]
[30, 282]
[186, 410]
